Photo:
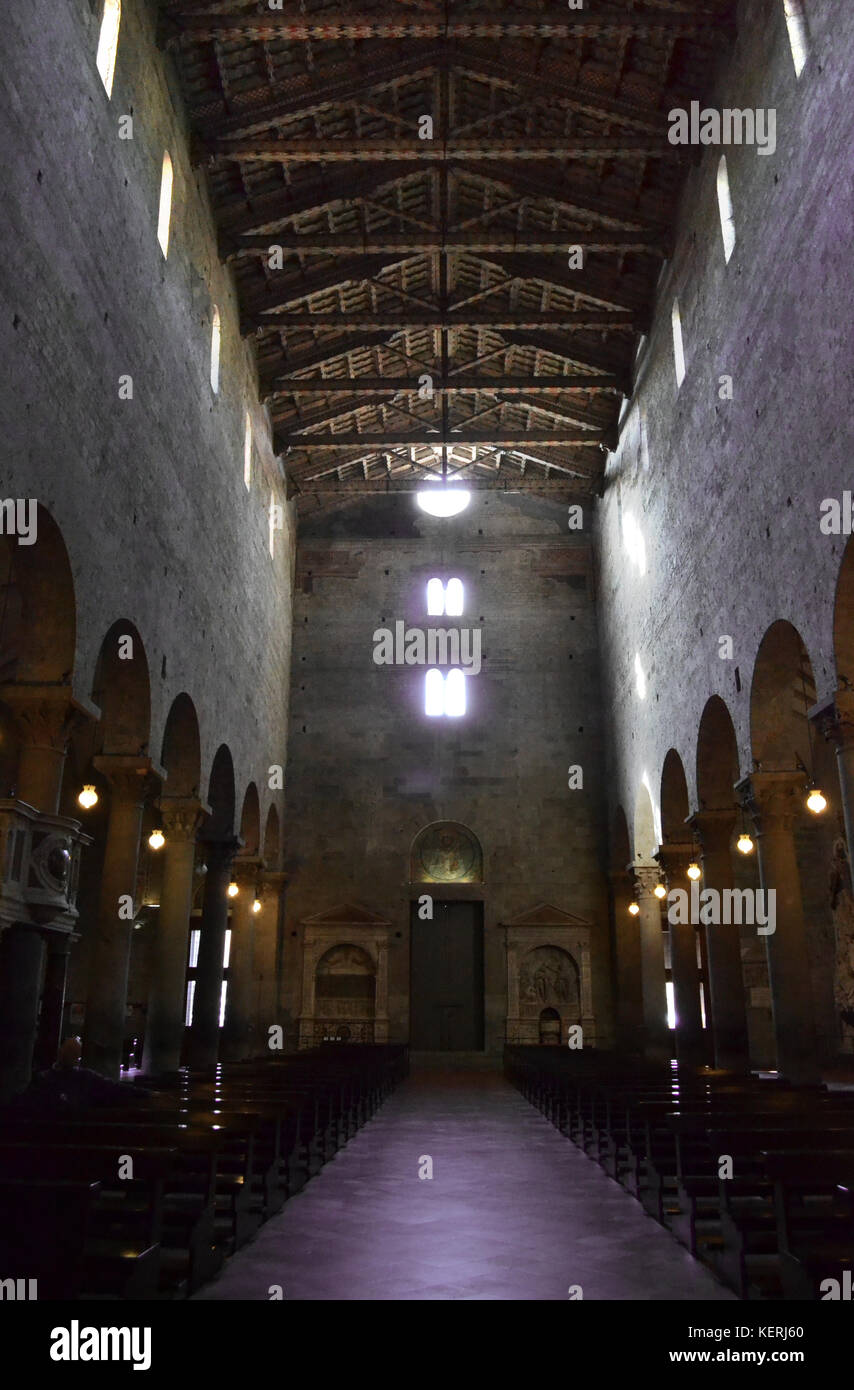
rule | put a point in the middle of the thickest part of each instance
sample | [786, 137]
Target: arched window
[445, 598]
[678, 346]
[797, 26]
[108, 43]
[445, 694]
[247, 453]
[164, 216]
[725, 206]
[216, 336]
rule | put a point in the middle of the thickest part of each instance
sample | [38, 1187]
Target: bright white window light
[195, 938]
[222, 998]
[434, 693]
[640, 678]
[247, 452]
[797, 27]
[449, 500]
[226, 950]
[164, 216]
[191, 996]
[725, 206]
[455, 693]
[678, 345]
[634, 542]
[454, 598]
[216, 339]
[671, 1005]
[272, 526]
[108, 43]
[435, 598]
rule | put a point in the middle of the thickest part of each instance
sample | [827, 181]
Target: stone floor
[513, 1211]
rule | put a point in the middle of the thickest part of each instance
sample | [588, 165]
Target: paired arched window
[445, 693]
[108, 43]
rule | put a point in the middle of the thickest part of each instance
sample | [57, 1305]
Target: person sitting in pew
[66, 1087]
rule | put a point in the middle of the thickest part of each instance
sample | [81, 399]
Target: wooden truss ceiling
[405, 258]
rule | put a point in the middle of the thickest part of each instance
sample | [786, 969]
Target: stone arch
[446, 851]
[674, 798]
[181, 754]
[271, 839]
[550, 1028]
[221, 795]
[250, 821]
[38, 611]
[122, 691]
[621, 845]
[843, 619]
[782, 690]
[717, 756]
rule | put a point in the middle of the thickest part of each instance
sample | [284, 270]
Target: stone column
[265, 964]
[834, 718]
[53, 997]
[726, 1005]
[774, 799]
[690, 1038]
[627, 964]
[381, 995]
[204, 1034]
[108, 970]
[21, 959]
[164, 1029]
[238, 1034]
[45, 716]
[656, 1033]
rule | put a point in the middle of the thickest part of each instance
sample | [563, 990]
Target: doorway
[446, 978]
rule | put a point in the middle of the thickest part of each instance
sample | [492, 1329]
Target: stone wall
[367, 770]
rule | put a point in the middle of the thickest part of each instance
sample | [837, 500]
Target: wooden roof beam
[417, 243]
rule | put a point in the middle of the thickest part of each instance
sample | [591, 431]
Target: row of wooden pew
[146, 1200]
[754, 1176]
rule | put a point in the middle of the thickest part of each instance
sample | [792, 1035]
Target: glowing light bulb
[816, 802]
[694, 871]
[88, 798]
[660, 891]
[156, 839]
[744, 844]
[256, 906]
[233, 889]
[634, 909]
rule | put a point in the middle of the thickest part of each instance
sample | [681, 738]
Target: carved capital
[45, 714]
[773, 799]
[674, 860]
[713, 828]
[646, 877]
[181, 817]
[834, 718]
[246, 870]
[132, 780]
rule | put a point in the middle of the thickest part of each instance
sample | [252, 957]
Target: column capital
[834, 718]
[46, 712]
[773, 799]
[131, 779]
[274, 879]
[674, 860]
[220, 853]
[646, 877]
[182, 816]
[713, 827]
[246, 869]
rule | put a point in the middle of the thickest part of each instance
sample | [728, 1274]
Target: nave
[513, 1211]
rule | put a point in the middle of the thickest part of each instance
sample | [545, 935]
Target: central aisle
[513, 1211]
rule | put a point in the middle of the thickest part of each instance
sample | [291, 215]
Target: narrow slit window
[223, 995]
[272, 526]
[216, 340]
[247, 453]
[454, 598]
[678, 345]
[434, 693]
[191, 997]
[797, 26]
[164, 216]
[226, 950]
[108, 43]
[725, 206]
[195, 938]
[455, 694]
